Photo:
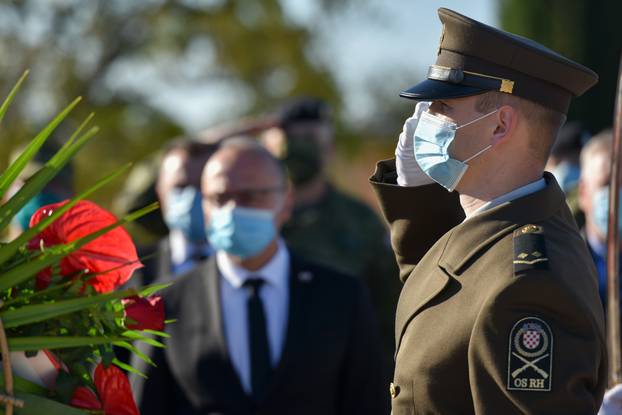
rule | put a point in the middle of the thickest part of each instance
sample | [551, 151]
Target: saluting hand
[408, 171]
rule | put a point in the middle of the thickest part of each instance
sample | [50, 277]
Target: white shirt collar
[514, 194]
[275, 272]
[182, 249]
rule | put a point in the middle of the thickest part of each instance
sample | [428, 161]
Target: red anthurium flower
[85, 398]
[111, 256]
[147, 313]
[113, 388]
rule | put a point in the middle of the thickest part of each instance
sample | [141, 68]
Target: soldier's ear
[506, 122]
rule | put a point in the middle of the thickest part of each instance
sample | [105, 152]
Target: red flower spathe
[111, 256]
[147, 313]
[113, 389]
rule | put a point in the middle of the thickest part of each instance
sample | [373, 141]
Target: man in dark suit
[258, 331]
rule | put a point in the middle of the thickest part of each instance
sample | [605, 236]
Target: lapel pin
[305, 276]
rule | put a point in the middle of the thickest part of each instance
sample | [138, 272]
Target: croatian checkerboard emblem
[530, 356]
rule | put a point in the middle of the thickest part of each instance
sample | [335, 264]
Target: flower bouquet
[60, 316]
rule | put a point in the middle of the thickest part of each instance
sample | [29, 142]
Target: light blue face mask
[184, 213]
[600, 206]
[567, 175]
[433, 136]
[239, 231]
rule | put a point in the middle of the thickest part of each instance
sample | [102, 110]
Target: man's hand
[408, 171]
[612, 403]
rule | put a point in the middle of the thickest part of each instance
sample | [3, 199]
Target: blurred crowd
[285, 286]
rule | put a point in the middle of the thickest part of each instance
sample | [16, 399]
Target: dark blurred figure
[564, 164]
[593, 196]
[179, 192]
[328, 226]
[258, 330]
[61, 187]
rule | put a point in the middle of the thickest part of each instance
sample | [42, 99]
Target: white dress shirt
[514, 194]
[275, 298]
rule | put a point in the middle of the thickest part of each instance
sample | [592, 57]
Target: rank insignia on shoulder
[529, 249]
[530, 356]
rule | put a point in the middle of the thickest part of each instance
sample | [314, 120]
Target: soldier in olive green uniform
[327, 225]
[500, 312]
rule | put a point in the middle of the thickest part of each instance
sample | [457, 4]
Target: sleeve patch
[530, 356]
[529, 249]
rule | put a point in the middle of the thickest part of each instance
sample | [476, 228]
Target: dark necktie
[261, 367]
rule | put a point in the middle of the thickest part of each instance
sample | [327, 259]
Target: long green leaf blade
[40, 312]
[12, 247]
[22, 344]
[18, 165]
[7, 101]
[38, 181]
[38, 405]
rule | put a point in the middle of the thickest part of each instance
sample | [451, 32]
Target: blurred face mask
[600, 208]
[433, 136]
[302, 159]
[241, 231]
[567, 175]
[184, 213]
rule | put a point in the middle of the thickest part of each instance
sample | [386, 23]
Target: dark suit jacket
[330, 363]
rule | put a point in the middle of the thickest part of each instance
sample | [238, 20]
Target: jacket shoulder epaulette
[529, 249]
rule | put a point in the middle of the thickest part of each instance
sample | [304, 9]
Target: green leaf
[12, 94]
[23, 385]
[128, 368]
[136, 335]
[12, 247]
[51, 255]
[152, 289]
[37, 405]
[158, 333]
[40, 312]
[37, 182]
[13, 171]
[21, 344]
[136, 351]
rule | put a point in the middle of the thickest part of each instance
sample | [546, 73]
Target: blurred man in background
[259, 331]
[327, 225]
[178, 190]
[593, 197]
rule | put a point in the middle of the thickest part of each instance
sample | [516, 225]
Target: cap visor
[431, 89]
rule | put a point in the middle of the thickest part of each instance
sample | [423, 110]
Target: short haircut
[251, 145]
[544, 123]
[600, 143]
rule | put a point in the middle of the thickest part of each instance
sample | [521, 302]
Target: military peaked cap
[474, 58]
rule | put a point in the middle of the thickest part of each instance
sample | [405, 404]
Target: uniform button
[394, 390]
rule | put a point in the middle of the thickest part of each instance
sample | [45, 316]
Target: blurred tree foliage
[88, 47]
[587, 31]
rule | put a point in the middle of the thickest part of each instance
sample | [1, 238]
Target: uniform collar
[514, 194]
[275, 272]
[487, 227]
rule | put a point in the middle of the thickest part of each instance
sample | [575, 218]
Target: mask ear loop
[477, 119]
[485, 148]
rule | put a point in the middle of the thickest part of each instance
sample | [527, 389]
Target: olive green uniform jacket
[499, 314]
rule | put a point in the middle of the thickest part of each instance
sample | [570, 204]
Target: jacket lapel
[456, 250]
[300, 280]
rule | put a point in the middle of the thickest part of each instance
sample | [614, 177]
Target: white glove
[408, 171]
[612, 403]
